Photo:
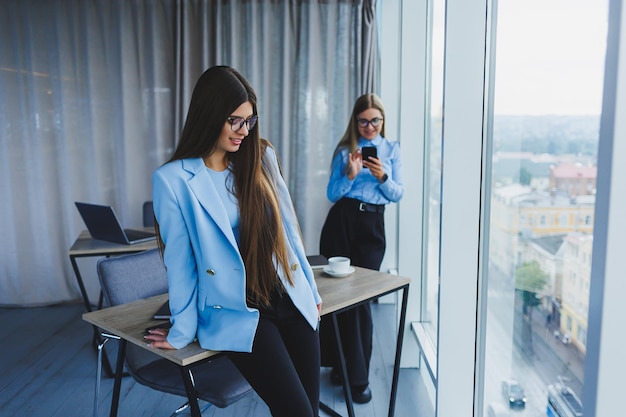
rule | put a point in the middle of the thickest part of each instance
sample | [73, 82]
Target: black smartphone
[368, 151]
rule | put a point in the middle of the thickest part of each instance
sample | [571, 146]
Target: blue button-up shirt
[365, 186]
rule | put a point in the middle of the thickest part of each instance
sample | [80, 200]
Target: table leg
[325, 408]
[97, 340]
[396, 365]
[81, 285]
[344, 370]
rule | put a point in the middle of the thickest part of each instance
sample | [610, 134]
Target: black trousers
[351, 231]
[284, 365]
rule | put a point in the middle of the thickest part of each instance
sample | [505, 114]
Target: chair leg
[96, 400]
[186, 406]
[119, 371]
[191, 392]
[180, 409]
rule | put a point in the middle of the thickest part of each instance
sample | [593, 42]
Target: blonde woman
[365, 176]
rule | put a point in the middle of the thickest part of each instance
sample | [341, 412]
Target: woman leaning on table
[359, 187]
[238, 277]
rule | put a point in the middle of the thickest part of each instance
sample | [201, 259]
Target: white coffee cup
[339, 264]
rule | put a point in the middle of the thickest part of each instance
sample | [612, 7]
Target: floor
[48, 369]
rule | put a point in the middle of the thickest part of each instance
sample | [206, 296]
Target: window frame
[458, 373]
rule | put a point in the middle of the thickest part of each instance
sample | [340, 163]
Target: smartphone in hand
[368, 151]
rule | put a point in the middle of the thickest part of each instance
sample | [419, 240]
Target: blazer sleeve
[178, 257]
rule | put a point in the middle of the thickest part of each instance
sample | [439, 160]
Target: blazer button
[210, 271]
[217, 307]
[294, 267]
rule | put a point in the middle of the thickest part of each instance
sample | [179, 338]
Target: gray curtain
[93, 95]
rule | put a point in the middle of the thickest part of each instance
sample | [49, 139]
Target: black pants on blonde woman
[358, 232]
[284, 365]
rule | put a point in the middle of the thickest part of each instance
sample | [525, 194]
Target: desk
[129, 321]
[86, 246]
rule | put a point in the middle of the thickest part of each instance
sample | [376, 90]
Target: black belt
[361, 206]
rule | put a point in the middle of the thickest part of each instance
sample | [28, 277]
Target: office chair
[148, 214]
[141, 275]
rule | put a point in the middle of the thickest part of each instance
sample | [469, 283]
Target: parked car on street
[513, 392]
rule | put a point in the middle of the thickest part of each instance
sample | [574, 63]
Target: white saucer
[338, 274]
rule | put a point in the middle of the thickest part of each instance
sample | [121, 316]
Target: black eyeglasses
[237, 123]
[375, 122]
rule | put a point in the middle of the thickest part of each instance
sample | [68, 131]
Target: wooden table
[129, 321]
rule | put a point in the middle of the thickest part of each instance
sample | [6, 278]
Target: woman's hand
[355, 164]
[158, 339]
[375, 166]
[319, 311]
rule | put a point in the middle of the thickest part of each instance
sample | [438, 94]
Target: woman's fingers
[375, 166]
[161, 345]
[354, 164]
[158, 331]
[157, 341]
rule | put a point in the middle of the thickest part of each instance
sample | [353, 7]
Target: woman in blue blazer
[238, 277]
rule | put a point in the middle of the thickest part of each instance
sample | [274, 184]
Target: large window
[547, 77]
[519, 282]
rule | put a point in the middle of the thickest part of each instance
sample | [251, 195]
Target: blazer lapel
[202, 187]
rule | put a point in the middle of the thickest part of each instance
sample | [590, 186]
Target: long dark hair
[219, 91]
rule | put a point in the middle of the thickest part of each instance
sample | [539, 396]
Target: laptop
[103, 224]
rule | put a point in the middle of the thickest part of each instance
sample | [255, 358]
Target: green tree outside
[530, 280]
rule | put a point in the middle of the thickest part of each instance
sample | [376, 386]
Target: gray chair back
[128, 278]
[148, 214]
[132, 277]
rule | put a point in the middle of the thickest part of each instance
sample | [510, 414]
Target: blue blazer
[205, 270]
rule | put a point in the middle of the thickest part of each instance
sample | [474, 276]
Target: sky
[550, 56]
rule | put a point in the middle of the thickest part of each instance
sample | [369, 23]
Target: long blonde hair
[350, 138]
